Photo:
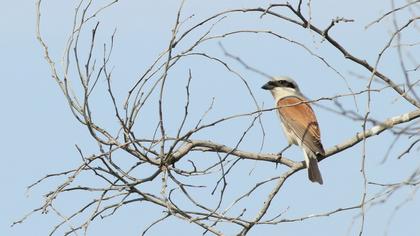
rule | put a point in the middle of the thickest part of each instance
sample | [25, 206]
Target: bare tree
[156, 152]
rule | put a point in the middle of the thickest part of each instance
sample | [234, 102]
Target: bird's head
[282, 86]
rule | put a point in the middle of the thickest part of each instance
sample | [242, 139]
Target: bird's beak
[267, 86]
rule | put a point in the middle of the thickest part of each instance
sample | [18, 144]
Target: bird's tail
[314, 174]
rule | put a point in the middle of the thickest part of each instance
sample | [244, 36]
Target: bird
[299, 122]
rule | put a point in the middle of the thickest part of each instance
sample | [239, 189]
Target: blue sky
[40, 133]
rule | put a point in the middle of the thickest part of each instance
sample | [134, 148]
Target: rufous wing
[299, 118]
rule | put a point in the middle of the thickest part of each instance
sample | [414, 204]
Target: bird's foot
[280, 154]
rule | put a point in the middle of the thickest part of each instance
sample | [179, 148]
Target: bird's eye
[279, 83]
[285, 84]
[288, 84]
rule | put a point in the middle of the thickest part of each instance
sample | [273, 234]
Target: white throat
[279, 93]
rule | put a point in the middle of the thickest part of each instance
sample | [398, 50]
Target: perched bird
[299, 122]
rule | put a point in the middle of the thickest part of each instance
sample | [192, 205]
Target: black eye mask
[282, 83]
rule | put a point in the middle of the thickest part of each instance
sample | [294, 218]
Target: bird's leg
[280, 154]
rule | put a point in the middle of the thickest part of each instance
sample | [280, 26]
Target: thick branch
[215, 147]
